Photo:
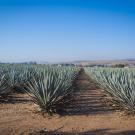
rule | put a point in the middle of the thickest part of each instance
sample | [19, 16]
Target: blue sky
[66, 30]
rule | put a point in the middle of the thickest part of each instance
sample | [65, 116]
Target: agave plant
[14, 76]
[117, 83]
[50, 87]
[4, 87]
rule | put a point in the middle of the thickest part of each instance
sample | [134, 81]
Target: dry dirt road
[86, 115]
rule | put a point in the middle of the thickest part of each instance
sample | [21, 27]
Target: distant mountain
[130, 59]
[105, 62]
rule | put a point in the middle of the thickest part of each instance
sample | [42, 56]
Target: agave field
[49, 86]
[118, 83]
[46, 85]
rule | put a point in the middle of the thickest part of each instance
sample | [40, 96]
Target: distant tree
[119, 66]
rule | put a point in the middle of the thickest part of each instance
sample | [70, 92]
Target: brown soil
[85, 115]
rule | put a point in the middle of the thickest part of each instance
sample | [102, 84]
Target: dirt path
[85, 115]
[88, 98]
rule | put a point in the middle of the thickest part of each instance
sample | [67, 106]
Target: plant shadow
[15, 98]
[93, 132]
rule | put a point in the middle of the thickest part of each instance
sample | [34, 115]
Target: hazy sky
[63, 30]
